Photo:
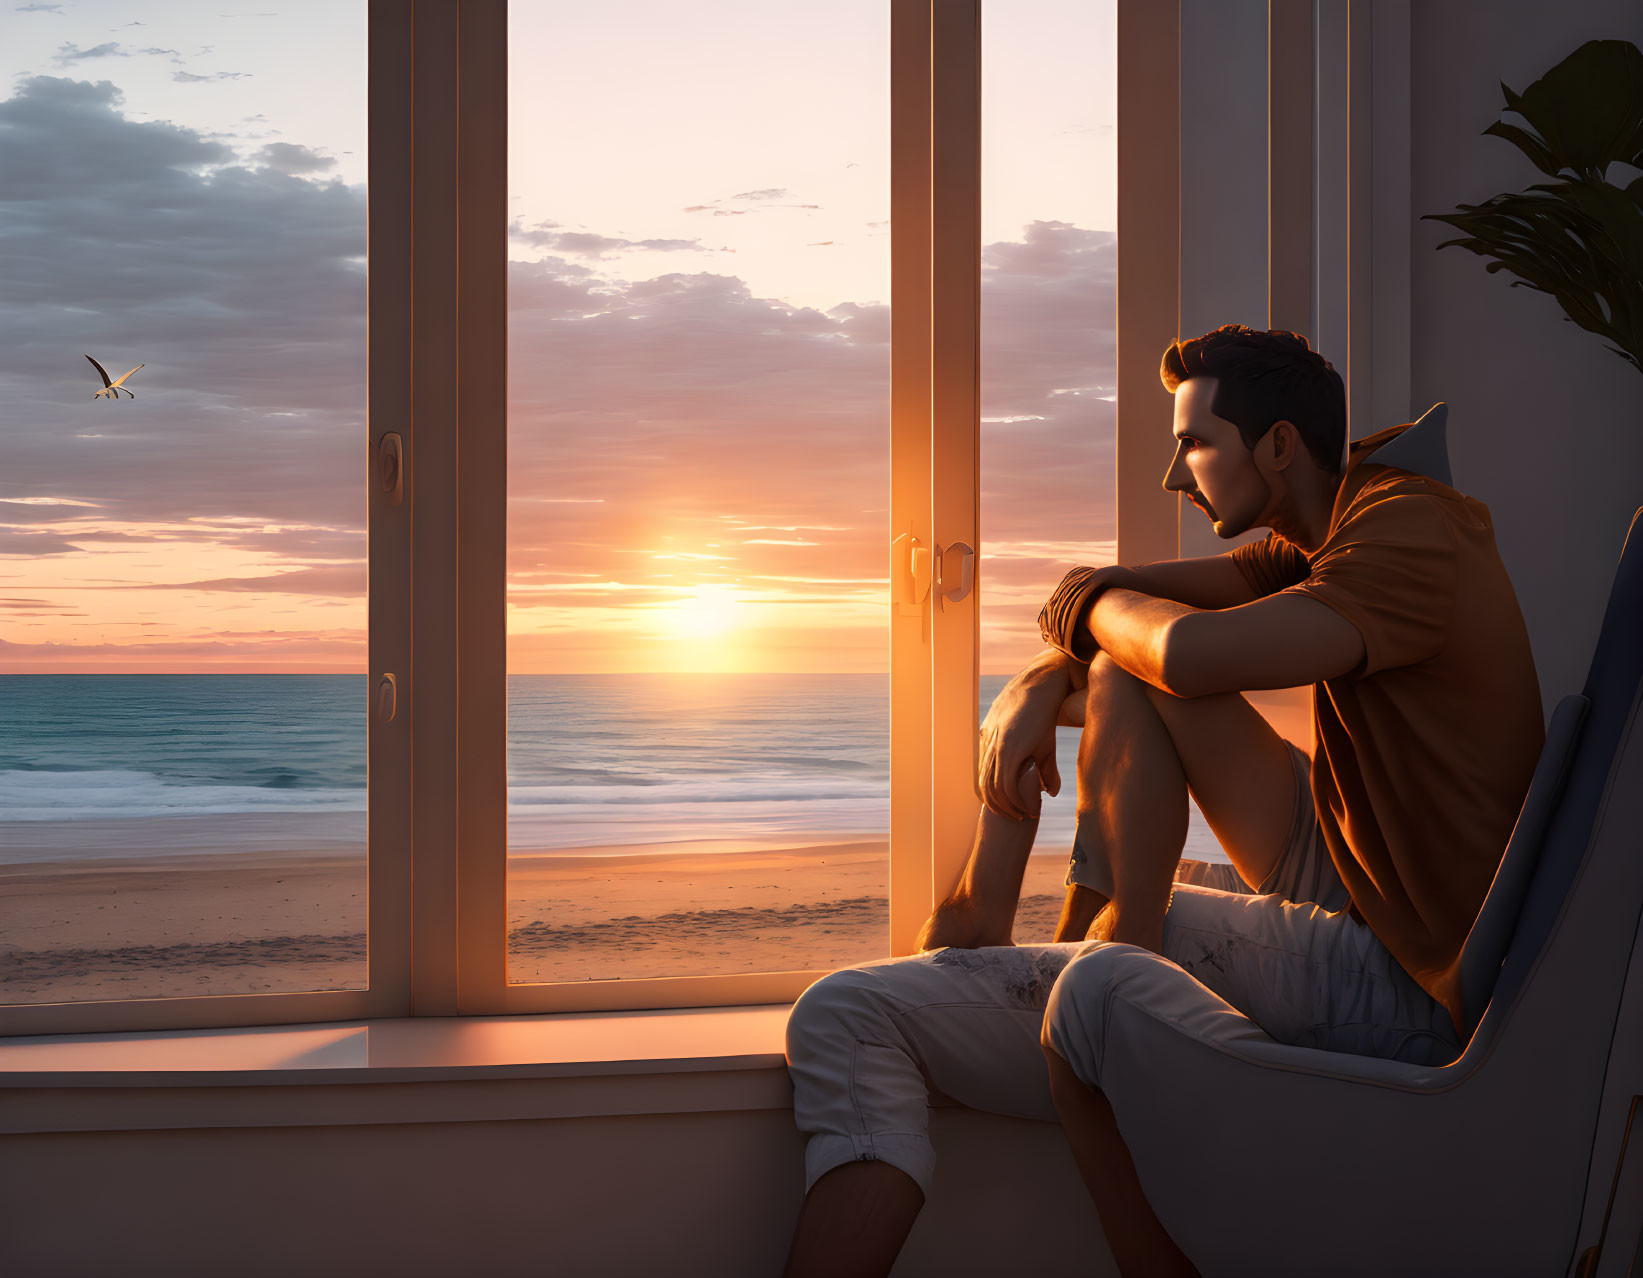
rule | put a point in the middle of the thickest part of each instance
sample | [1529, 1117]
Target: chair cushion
[1486, 944]
[1423, 449]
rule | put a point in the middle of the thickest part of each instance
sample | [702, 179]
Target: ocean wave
[717, 790]
[46, 795]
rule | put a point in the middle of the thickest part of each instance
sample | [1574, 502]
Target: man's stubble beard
[1226, 531]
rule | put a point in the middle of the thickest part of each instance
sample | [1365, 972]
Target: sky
[698, 333]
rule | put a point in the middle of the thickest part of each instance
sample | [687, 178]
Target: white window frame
[438, 212]
[393, 93]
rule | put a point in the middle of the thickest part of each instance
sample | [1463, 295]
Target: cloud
[587, 244]
[186, 77]
[242, 289]
[761, 197]
[265, 650]
[287, 157]
[641, 412]
[41, 8]
[67, 54]
[680, 398]
[346, 580]
[14, 541]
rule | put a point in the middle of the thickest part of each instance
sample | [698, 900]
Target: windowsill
[406, 1070]
[409, 1049]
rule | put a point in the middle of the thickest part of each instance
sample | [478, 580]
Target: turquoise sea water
[593, 760]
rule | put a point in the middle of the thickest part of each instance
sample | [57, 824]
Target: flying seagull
[111, 389]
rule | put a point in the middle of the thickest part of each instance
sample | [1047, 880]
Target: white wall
[1546, 425]
[1223, 197]
[713, 1195]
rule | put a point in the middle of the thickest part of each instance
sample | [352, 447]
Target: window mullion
[1149, 271]
[388, 770]
[910, 506]
[482, 483]
[432, 473]
[955, 427]
[1290, 178]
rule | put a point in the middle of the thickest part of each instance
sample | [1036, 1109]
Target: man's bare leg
[1134, 1233]
[1239, 771]
[854, 1222]
[981, 909]
[1140, 752]
[1132, 787]
[1078, 913]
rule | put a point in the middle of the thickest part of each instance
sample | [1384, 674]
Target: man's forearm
[1209, 581]
[1133, 629]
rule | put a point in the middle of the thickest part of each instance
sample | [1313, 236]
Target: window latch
[387, 698]
[391, 467]
[958, 572]
[911, 567]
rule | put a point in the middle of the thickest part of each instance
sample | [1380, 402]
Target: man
[1355, 876]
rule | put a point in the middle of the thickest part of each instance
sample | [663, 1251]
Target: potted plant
[1578, 237]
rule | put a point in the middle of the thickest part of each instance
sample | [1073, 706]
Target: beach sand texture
[153, 922]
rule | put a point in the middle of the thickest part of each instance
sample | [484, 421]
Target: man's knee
[1110, 682]
[1106, 675]
[1075, 1021]
[832, 1012]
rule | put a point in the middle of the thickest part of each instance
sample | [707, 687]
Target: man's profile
[1355, 874]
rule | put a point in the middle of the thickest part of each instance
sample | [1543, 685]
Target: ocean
[593, 760]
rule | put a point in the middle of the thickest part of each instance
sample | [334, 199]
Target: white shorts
[866, 1044]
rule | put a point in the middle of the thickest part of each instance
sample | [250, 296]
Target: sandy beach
[131, 916]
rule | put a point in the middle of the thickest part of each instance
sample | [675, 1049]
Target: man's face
[1211, 464]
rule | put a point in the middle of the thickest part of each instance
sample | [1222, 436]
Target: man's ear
[1286, 443]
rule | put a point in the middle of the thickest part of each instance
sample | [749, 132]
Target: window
[1049, 353]
[184, 667]
[536, 359]
[698, 473]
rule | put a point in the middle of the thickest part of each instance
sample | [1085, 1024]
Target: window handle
[391, 467]
[911, 567]
[387, 698]
[958, 572]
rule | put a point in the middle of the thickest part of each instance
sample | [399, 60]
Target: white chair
[1523, 1156]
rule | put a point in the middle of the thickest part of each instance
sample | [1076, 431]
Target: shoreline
[161, 916]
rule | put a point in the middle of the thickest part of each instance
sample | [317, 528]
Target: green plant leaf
[1588, 109]
[1540, 155]
[1578, 238]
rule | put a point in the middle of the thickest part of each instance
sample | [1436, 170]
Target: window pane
[182, 561]
[698, 488]
[1049, 351]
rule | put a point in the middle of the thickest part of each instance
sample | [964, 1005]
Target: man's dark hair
[1265, 377]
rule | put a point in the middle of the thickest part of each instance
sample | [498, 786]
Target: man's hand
[1020, 730]
[1061, 620]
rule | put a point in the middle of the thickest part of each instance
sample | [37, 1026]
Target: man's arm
[1021, 723]
[1209, 581]
[1281, 641]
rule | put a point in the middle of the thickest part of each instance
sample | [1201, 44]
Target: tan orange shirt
[1425, 751]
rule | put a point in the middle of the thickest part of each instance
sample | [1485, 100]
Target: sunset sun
[710, 612]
